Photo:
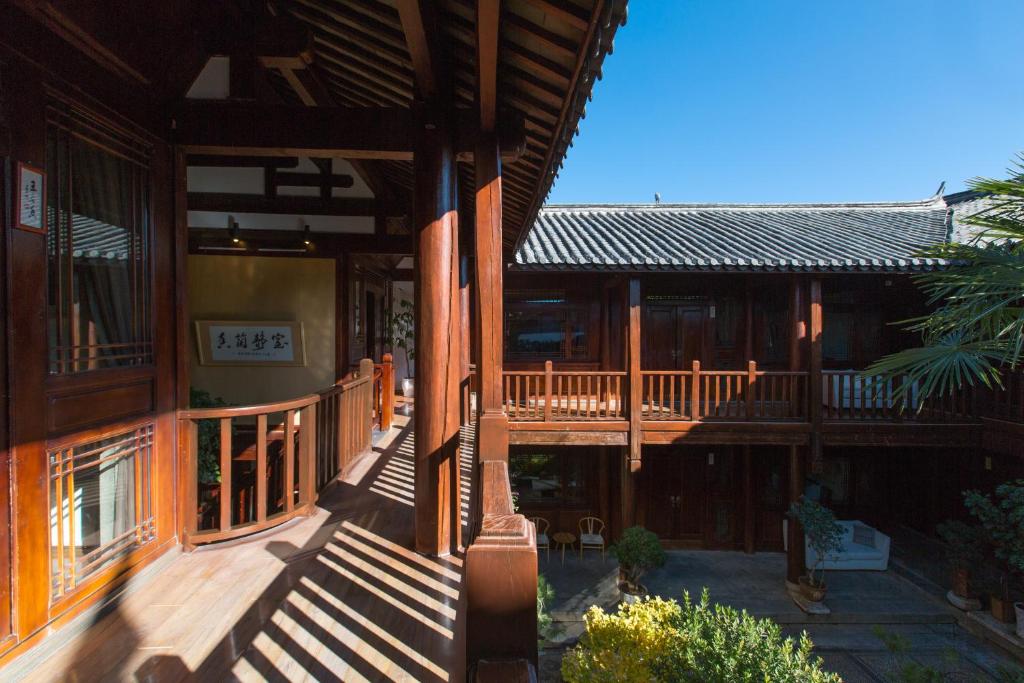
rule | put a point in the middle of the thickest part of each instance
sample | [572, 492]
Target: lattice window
[100, 504]
[98, 243]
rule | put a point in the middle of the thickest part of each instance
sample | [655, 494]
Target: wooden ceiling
[549, 56]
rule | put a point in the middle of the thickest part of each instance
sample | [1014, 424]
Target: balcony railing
[750, 395]
[551, 396]
[696, 394]
[850, 395]
[270, 459]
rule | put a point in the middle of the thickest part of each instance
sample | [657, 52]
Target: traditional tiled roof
[879, 237]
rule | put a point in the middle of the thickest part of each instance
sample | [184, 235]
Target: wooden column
[797, 325]
[465, 323]
[438, 335]
[627, 491]
[748, 500]
[795, 542]
[748, 327]
[635, 378]
[493, 425]
[815, 324]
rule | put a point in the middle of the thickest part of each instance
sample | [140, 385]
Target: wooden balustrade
[850, 395]
[272, 458]
[564, 395]
[384, 392]
[751, 394]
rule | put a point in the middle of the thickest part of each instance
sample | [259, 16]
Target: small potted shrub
[965, 545]
[1002, 517]
[824, 536]
[402, 326]
[637, 551]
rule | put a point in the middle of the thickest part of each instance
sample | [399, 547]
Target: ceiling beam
[420, 28]
[252, 129]
[257, 203]
[487, 34]
[289, 243]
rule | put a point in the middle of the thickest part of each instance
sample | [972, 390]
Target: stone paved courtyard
[861, 603]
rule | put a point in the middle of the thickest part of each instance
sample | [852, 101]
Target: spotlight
[233, 232]
[307, 237]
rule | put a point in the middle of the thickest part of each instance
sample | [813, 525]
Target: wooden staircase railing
[848, 395]
[273, 458]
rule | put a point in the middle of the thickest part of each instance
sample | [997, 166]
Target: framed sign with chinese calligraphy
[247, 342]
[31, 204]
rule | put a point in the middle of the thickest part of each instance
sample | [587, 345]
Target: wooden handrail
[277, 474]
[384, 392]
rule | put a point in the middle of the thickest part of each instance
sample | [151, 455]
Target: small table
[563, 538]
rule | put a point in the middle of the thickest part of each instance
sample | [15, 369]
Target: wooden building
[230, 197]
[694, 368]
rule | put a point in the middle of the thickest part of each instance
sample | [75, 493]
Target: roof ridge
[935, 202]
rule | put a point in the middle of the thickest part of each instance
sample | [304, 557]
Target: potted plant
[824, 536]
[965, 545]
[1002, 517]
[401, 327]
[637, 551]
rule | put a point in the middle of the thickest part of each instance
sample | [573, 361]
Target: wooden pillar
[465, 323]
[815, 323]
[627, 491]
[795, 542]
[635, 378]
[748, 340]
[438, 335]
[749, 502]
[492, 428]
[797, 325]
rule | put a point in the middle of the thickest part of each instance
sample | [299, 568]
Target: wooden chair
[542, 534]
[592, 535]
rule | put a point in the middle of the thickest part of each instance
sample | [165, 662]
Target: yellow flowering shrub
[623, 646]
[661, 640]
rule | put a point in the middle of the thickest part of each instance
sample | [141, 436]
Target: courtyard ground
[861, 603]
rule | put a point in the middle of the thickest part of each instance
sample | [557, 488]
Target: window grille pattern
[100, 504]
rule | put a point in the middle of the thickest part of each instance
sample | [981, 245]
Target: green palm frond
[977, 327]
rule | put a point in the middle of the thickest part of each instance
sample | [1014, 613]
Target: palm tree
[976, 331]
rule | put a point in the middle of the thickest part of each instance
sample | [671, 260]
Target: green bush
[661, 640]
[637, 551]
[1002, 518]
[547, 629]
[965, 543]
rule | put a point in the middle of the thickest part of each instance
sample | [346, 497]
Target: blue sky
[826, 100]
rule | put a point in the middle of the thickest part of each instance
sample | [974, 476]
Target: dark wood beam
[324, 245]
[564, 11]
[420, 32]
[256, 203]
[488, 13]
[251, 129]
[313, 179]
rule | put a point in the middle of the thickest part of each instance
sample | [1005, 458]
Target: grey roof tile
[883, 237]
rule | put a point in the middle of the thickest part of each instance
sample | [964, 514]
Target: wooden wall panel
[98, 405]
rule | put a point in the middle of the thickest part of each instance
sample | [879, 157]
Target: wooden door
[673, 336]
[720, 521]
[675, 497]
[664, 491]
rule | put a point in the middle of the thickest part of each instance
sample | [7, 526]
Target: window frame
[65, 124]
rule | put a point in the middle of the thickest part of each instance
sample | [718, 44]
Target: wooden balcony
[744, 406]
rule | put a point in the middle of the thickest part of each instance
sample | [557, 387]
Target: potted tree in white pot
[965, 544]
[637, 551]
[401, 327]
[824, 536]
[1002, 518]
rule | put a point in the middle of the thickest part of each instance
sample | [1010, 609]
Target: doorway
[673, 335]
[691, 496]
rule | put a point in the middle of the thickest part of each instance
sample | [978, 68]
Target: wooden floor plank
[338, 596]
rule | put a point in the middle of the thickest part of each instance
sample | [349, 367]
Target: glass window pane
[99, 256]
[99, 504]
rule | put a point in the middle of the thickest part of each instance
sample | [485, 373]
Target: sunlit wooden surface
[338, 596]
